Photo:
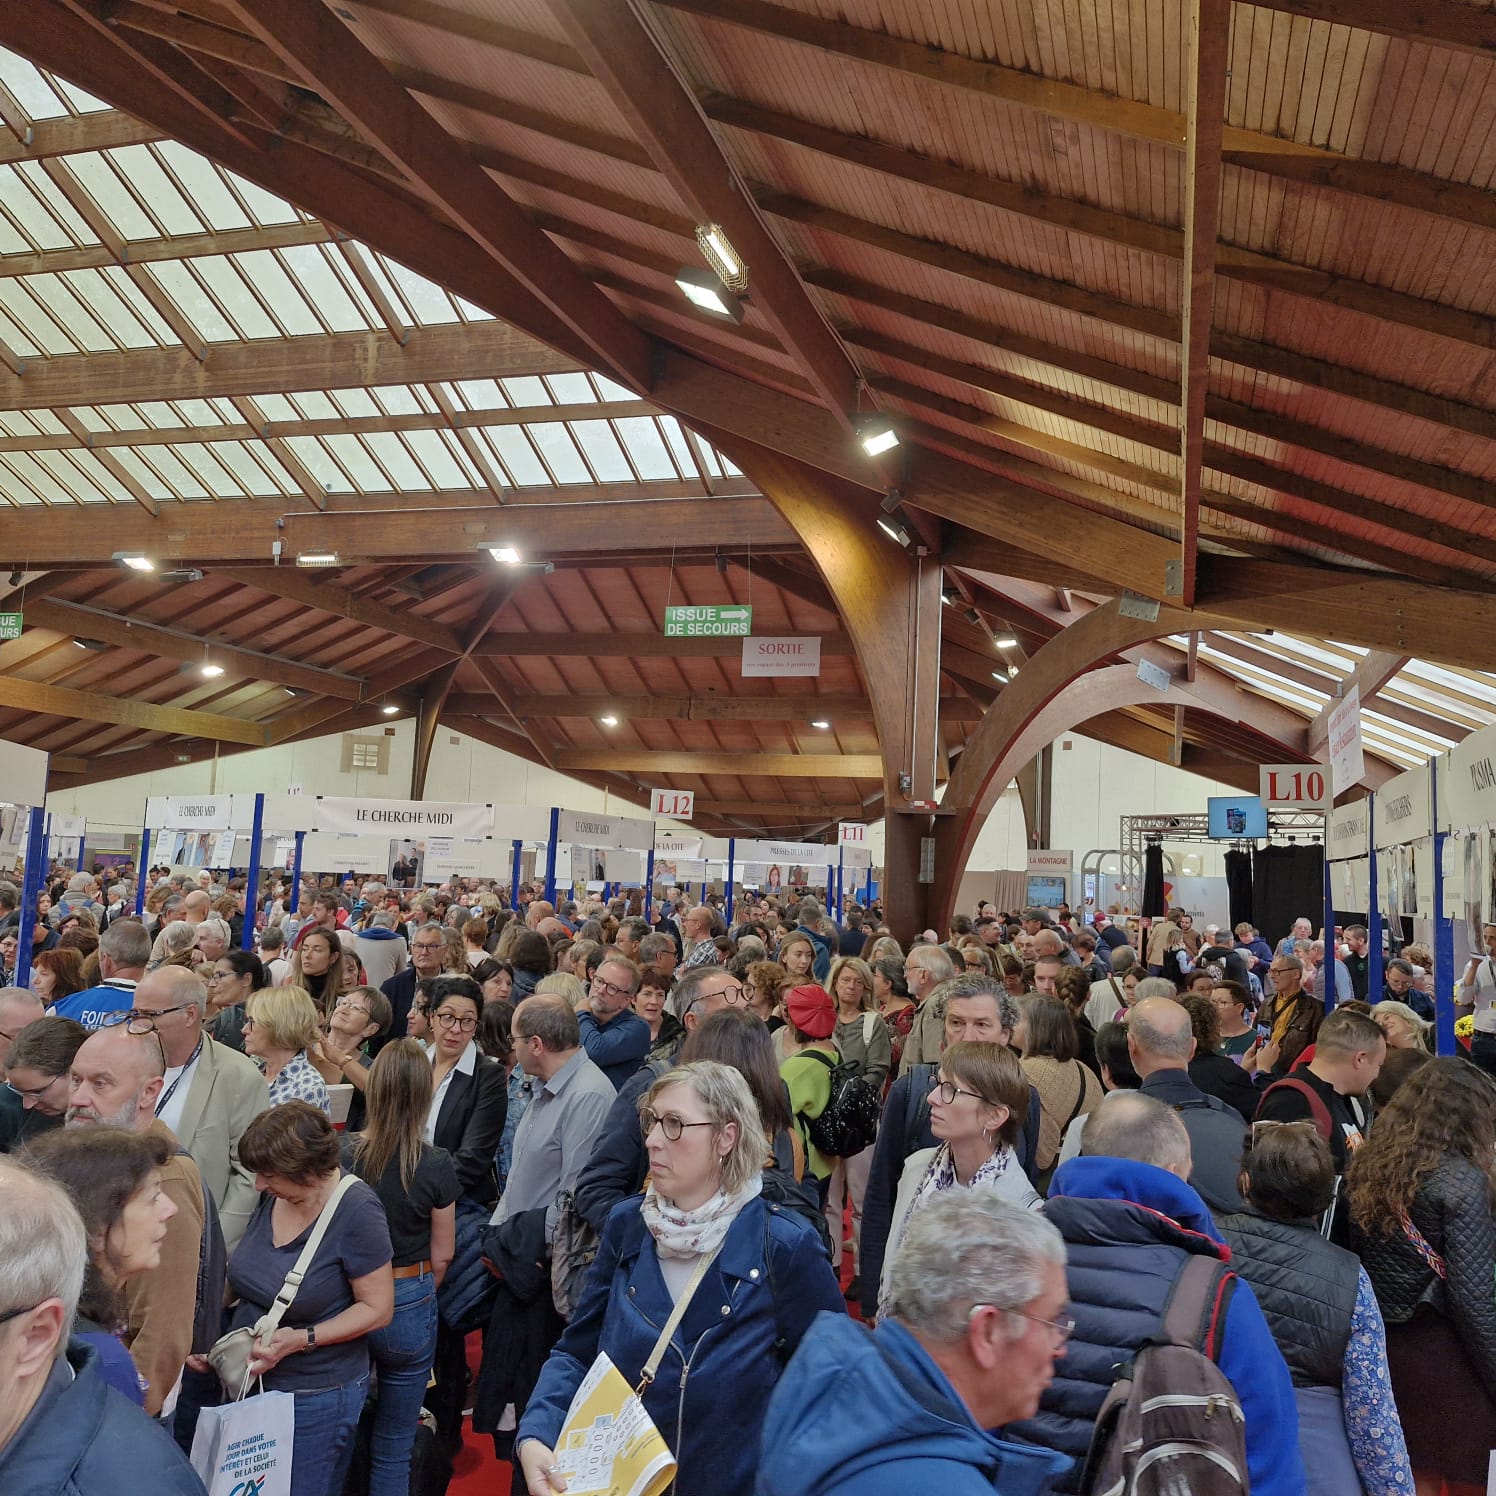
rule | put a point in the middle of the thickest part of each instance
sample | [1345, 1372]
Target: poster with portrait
[1474, 848]
[1389, 889]
[1407, 854]
[407, 863]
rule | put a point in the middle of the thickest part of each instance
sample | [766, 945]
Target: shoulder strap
[822, 1056]
[651, 1366]
[1317, 1108]
[919, 1089]
[1197, 1304]
[869, 1028]
[277, 1312]
[1080, 1099]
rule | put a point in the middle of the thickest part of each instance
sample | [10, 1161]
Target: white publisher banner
[672, 805]
[1402, 811]
[1467, 790]
[690, 847]
[796, 854]
[781, 656]
[582, 829]
[856, 858]
[522, 823]
[403, 818]
[281, 813]
[23, 771]
[189, 812]
[1347, 837]
[60, 825]
[1047, 860]
[1347, 763]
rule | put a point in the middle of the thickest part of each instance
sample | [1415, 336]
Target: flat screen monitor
[1046, 892]
[1233, 817]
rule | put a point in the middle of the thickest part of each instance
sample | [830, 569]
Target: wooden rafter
[92, 706]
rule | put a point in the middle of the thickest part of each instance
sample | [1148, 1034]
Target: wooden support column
[433, 698]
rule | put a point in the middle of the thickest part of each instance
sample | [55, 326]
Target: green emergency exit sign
[708, 621]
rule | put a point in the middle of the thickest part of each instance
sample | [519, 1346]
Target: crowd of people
[435, 1152]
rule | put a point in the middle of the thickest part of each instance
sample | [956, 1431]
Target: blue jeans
[403, 1352]
[325, 1424]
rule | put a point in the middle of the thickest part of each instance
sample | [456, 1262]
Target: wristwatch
[311, 1336]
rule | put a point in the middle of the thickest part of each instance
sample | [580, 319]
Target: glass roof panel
[601, 448]
[571, 389]
[252, 476]
[56, 204]
[120, 305]
[646, 448]
[84, 103]
[527, 389]
[69, 312]
[31, 215]
[428, 303]
[391, 455]
[265, 207]
[355, 404]
[311, 454]
[33, 331]
[362, 468]
[210, 193]
[192, 300]
[398, 399]
[440, 455]
[313, 405]
[284, 298]
[559, 452]
[32, 91]
[522, 467]
[326, 291]
[141, 169]
[105, 186]
[476, 394]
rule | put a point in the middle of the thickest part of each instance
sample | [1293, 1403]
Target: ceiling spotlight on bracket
[209, 671]
[389, 709]
[821, 723]
[135, 560]
[317, 558]
[1005, 641]
[705, 291]
[92, 644]
[893, 527]
[717, 250]
[875, 434]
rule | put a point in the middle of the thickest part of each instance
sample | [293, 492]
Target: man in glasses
[428, 952]
[614, 1035]
[60, 1426]
[209, 1093]
[1130, 1223]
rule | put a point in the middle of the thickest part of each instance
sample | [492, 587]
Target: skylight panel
[397, 462]
[33, 93]
[559, 452]
[478, 394]
[31, 215]
[315, 458]
[442, 458]
[314, 405]
[39, 332]
[121, 306]
[277, 291]
[527, 389]
[680, 448]
[428, 303]
[43, 487]
[67, 310]
[251, 476]
[210, 193]
[398, 399]
[84, 103]
[99, 479]
[470, 312]
[646, 448]
[276, 408]
[237, 301]
[571, 389]
[516, 455]
[139, 167]
[609, 389]
[193, 301]
[134, 463]
[318, 283]
[56, 204]
[362, 468]
[182, 480]
[603, 453]
[355, 404]
[105, 186]
[160, 415]
[198, 413]
[265, 207]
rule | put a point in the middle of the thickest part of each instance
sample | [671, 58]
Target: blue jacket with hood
[869, 1413]
[1128, 1228]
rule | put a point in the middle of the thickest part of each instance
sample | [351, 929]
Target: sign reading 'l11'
[709, 621]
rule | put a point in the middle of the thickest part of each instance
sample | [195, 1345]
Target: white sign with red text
[1347, 762]
[781, 656]
[853, 833]
[1303, 786]
[672, 805]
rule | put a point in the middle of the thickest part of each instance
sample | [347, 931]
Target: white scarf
[690, 1233]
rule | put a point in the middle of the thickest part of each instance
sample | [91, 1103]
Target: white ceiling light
[389, 709]
[209, 671]
[893, 529]
[722, 257]
[505, 553]
[705, 291]
[317, 558]
[824, 726]
[876, 436]
[609, 721]
[135, 560]
[1005, 641]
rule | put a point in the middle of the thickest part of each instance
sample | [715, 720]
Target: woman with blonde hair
[563, 984]
[417, 1185]
[281, 1024]
[710, 1381]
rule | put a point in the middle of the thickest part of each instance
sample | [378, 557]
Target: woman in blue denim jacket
[417, 1185]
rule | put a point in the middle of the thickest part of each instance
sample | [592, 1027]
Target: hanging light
[717, 249]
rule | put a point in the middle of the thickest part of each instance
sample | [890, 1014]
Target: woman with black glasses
[235, 978]
[36, 1073]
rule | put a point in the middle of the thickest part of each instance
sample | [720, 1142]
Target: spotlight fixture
[705, 291]
[1012, 671]
[823, 725]
[293, 690]
[609, 721]
[389, 709]
[999, 675]
[722, 257]
[135, 560]
[317, 558]
[15, 576]
[972, 616]
[209, 671]
[96, 645]
[950, 597]
[1005, 641]
[895, 530]
[505, 553]
[875, 435]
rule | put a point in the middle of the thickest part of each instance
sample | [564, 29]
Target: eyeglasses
[671, 1125]
[223, 976]
[349, 1005]
[33, 1093]
[1061, 1329]
[138, 1022]
[608, 989]
[428, 945]
[452, 1021]
[733, 994]
[16, 1313]
[947, 1091]
[248, 1023]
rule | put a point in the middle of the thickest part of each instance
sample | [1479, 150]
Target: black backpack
[849, 1121]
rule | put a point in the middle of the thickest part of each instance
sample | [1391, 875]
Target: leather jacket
[1452, 1210]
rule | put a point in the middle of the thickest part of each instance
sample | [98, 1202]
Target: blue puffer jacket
[1128, 1228]
[868, 1413]
[83, 1438]
[713, 1385]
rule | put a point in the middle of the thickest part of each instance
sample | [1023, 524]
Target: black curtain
[1287, 882]
[1239, 885]
[1153, 882]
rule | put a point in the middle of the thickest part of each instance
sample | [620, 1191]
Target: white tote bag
[244, 1448]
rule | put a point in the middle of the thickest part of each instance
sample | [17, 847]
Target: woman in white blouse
[977, 1109]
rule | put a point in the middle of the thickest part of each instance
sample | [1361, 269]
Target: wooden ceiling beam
[82, 621]
[330, 58]
[702, 708]
[73, 135]
[1209, 23]
[1374, 671]
[93, 706]
[1443, 23]
[738, 765]
[356, 360]
[624, 52]
[627, 646]
[178, 247]
[244, 531]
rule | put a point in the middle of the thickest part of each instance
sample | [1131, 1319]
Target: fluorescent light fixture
[91, 644]
[317, 558]
[209, 670]
[824, 726]
[1005, 641]
[876, 436]
[389, 709]
[135, 560]
[505, 553]
[894, 530]
[705, 291]
[292, 690]
[608, 721]
[722, 257]
[999, 675]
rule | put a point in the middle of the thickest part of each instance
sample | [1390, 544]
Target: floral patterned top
[298, 1081]
[1372, 1426]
